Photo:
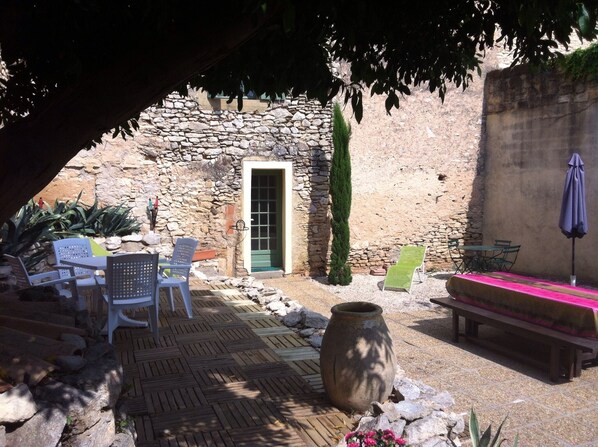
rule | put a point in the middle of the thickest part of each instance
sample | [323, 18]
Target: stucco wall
[534, 122]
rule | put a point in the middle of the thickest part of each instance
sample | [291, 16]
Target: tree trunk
[35, 149]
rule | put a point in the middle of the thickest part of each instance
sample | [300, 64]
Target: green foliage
[115, 221]
[581, 64]
[485, 439]
[340, 192]
[32, 225]
[24, 232]
[389, 48]
[75, 219]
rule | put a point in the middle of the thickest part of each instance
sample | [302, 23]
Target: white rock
[412, 410]
[17, 405]
[424, 429]
[151, 239]
[276, 306]
[132, 238]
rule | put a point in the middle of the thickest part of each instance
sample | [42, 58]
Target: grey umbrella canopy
[573, 221]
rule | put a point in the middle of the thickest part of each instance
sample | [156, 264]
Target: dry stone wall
[190, 157]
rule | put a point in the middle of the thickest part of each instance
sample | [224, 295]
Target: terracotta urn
[357, 360]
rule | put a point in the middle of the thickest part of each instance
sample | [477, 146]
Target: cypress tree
[340, 192]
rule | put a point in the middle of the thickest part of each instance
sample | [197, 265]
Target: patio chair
[400, 275]
[131, 282]
[175, 272]
[504, 262]
[72, 248]
[456, 256]
[51, 278]
[502, 242]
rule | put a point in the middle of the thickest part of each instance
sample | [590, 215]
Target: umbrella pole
[573, 278]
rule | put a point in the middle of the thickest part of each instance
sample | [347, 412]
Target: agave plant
[485, 439]
[115, 221]
[73, 218]
[23, 232]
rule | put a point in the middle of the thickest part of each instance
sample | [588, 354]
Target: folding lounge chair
[400, 275]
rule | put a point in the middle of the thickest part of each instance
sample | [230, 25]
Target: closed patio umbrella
[573, 221]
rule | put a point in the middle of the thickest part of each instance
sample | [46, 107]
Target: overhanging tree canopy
[79, 69]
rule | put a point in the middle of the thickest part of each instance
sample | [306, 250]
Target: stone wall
[535, 121]
[189, 153]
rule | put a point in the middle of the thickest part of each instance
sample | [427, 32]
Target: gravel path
[369, 288]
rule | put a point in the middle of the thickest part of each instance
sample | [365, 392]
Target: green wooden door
[266, 220]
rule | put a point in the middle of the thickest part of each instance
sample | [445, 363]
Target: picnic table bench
[560, 316]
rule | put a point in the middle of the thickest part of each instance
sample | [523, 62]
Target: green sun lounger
[400, 275]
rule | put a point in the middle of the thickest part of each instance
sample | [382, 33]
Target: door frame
[287, 221]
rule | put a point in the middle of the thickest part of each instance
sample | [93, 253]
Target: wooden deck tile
[157, 353]
[190, 327]
[245, 308]
[258, 316]
[231, 391]
[220, 318]
[304, 405]
[216, 376]
[283, 386]
[322, 430]
[315, 382]
[205, 302]
[211, 361]
[240, 332]
[273, 435]
[202, 348]
[255, 357]
[201, 293]
[136, 406]
[292, 354]
[162, 367]
[244, 345]
[175, 399]
[160, 383]
[244, 413]
[306, 367]
[276, 330]
[268, 370]
[144, 429]
[204, 439]
[285, 341]
[241, 303]
[185, 421]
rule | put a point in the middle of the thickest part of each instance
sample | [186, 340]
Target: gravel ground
[369, 288]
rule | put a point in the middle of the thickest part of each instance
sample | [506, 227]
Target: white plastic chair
[73, 248]
[175, 272]
[52, 278]
[131, 283]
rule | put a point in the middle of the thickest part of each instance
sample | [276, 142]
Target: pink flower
[352, 444]
[371, 434]
[400, 441]
[370, 441]
[348, 435]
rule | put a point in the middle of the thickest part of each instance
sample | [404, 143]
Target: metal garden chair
[456, 256]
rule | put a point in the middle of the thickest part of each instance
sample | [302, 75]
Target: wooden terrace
[232, 375]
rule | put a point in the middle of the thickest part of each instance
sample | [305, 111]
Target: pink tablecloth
[569, 309]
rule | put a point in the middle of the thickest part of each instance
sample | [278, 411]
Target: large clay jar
[357, 361]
